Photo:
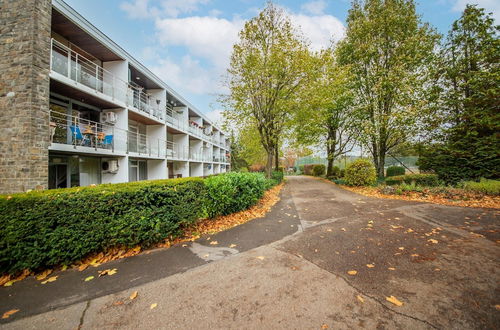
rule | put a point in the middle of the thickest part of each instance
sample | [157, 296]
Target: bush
[243, 170]
[53, 227]
[318, 170]
[257, 168]
[361, 172]
[395, 170]
[278, 176]
[485, 186]
[308, 169]
[426, 180]
[301, 168]
[342, 173]
[335, 173]
[233, 192]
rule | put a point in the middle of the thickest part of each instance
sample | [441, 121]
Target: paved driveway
[289, 270]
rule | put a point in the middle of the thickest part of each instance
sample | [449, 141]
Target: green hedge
[233, 192]
[428, 180]
[361, 172]
[277, 175]
[318, 170]
[395, 170]
[485, 186]
[53, 227]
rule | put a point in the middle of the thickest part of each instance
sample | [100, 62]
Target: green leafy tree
[390, 53]
[268, 65]
[327, 117]
[467, 143]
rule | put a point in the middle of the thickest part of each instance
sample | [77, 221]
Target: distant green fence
[408, 161]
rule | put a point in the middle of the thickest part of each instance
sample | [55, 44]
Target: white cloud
[208, 37]
[157, 8]
[215, 116]
[490, 6]
[188, 75]
[314, 7]
[320, 30]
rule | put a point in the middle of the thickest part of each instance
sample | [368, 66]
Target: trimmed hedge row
[58, 227]
[395, 171]
[53, 227]
[233, 192]
[428, 180]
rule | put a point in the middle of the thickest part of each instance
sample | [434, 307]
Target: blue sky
[188, 42]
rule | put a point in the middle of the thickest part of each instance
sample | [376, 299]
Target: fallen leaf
[82, 267]
[7, 314]
[409, 230]
[394, 300]
[9, 283]
[324, 326]
[50, 279]
[371, 221]
[497, 307]
[232, 245]
[370, 265]
[260, 257]
[118, 303]
[433, 241]
[414, 255]
[214, 243]
[343, 229]
[134, 295]
[360, 298]
[44, 274]
[153, 306]
[90, 278]
[401, 248]
[184, 245]
[107, 272]
[391, 268]
[352, 272]
[64, 267]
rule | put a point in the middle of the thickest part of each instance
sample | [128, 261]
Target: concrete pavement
[290, 270]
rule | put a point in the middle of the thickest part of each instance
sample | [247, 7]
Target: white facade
[112, 120]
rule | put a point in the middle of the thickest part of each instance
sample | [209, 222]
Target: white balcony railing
[78, 68]
[82, 133]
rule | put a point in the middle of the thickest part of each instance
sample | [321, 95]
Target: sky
[188, 43]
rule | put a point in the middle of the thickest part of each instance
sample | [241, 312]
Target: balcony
[71, 133]
[93, 78]
[174, 151]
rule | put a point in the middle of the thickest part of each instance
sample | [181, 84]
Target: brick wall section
[24, 71]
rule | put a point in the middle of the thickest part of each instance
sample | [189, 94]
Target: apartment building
[76, 109]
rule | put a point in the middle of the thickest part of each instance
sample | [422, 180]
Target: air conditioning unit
[108, 117]
[110, 166]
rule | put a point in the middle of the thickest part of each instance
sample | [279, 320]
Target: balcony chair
[107, 142]
[77, 135]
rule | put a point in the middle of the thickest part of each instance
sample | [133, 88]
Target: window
[138, 170]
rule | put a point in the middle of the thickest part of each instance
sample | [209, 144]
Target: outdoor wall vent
[110, 166]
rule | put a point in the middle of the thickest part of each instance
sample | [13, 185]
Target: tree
[467, 144]
[327, 116]
[390, 52]
[267, 67]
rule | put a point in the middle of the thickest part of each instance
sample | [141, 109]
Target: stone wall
[24, 94]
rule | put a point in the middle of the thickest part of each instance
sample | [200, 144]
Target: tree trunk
[269, 165]
[380, 164]
[276, 158]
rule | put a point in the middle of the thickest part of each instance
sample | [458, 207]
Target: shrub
[308, 169]
[426, 180]
[318, 170]
[53, 227]
[301, 168]
[335, 173]
[243, 170]
[485, 186]
[395, 170]
[233, 192]
[277, 175]
[257, 168]
[361, 172]
[342, 173]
